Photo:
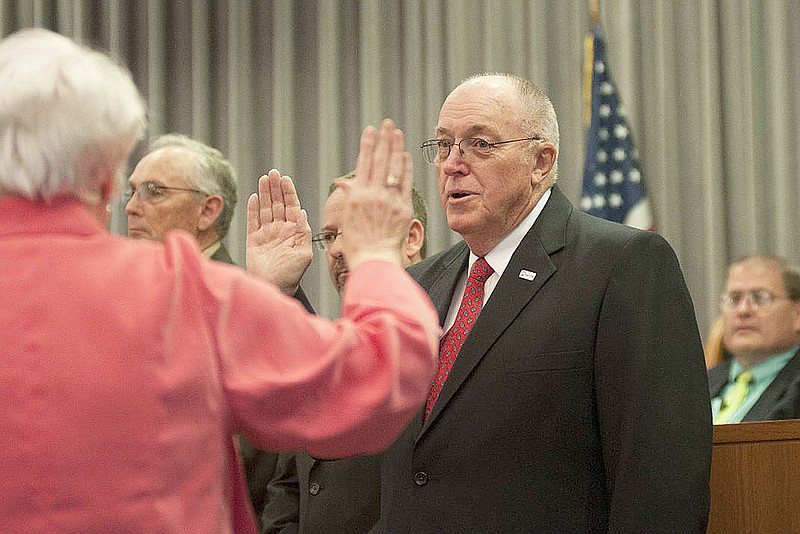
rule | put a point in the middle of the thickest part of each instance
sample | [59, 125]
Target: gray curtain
[710, 87]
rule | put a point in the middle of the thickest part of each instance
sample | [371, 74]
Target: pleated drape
[710, 87]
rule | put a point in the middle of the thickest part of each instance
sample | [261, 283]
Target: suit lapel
[512, 293]
[768, 400]
[718, 377]
[222, 255]
[444, 285]
[304, 463]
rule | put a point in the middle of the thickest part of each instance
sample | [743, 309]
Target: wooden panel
[755, 478]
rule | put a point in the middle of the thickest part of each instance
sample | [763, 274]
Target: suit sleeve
[301, 297]
[259, 467]
[652, 395]
[281, 515]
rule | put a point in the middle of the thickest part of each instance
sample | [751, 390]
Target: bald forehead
[173, 164]
[482, 105]
[178, 155]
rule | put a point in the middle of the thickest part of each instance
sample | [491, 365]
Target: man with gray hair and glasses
[181, 183]
[571, 394]
[761, 316]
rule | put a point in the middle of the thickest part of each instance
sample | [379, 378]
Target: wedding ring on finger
[392, 181]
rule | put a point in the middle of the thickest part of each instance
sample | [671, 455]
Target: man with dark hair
[311, 495]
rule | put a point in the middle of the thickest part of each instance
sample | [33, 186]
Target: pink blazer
[127, 366]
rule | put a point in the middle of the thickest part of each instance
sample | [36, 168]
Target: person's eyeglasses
[437, 150]
[759, 299]
[151, 191]
[324, 239]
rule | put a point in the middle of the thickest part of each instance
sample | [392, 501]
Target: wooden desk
[755, 478]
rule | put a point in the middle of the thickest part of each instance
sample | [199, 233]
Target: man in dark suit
[310, 495]
[181, 183]
[761, 330]
[578, 401]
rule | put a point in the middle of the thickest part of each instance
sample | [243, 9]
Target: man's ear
[414, 241]
[796, 316]
[212, 208]
[544, 162]
[108, 187]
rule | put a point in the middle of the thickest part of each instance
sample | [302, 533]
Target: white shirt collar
[498, 258]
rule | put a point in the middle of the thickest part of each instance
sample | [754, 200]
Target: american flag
[612, 182]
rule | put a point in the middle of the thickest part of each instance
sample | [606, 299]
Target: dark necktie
[468, 311]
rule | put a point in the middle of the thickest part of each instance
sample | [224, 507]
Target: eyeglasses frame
[319, 239]
[492, 144]
[130, 192]
[726, 303]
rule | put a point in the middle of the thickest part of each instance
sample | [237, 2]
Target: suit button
[420, 478]
[313, 489]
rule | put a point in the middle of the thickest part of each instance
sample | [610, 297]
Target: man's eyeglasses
[324, 239]
[151, 191]
[437, 150]
[759, 299]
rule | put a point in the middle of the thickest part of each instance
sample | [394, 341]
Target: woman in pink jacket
[126, 366]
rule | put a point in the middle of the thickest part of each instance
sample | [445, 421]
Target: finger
[396, 162]
[268, 201]
[252, 214]
[382, 153]
[290, 199]
[407, 174]
[365, 155]
[303, 223]
[263, 198]
[276, 197]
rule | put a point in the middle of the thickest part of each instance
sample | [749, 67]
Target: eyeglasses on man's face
[324, 239]
[758, 299]
[437, 150]
[151, 192]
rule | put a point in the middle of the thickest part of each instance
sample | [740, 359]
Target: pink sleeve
[294, 381]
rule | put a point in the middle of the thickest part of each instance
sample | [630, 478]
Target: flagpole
[588, 62]
[594, 11]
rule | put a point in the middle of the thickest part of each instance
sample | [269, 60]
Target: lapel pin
[527, 275]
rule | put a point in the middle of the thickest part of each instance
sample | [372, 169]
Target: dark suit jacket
[259, 466]
[222, 255]
[315, 496]
[579, 401]
[781, 400]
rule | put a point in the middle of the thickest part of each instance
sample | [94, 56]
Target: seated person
[761, 311]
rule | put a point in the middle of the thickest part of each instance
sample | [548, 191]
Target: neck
[99, 207]
[750, 360]
[206, 240]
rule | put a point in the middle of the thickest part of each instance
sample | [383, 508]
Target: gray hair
[65, 109]
[213, 174]
[536, 112]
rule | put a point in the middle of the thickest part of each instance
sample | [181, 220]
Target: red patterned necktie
[468, 311]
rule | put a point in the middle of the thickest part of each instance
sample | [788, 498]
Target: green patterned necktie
[734, 397]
